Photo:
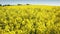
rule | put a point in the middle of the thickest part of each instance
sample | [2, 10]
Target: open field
[30, 19]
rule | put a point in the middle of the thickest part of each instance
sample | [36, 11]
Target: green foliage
[0, 5]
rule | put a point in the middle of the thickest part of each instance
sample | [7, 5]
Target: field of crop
[29, 19]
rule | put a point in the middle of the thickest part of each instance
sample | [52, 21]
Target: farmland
[30, 19]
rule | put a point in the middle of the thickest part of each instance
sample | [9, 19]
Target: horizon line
[32, 4]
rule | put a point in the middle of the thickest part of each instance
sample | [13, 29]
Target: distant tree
[27, 4]
[0, 4]
[7, 5]
[19, 4]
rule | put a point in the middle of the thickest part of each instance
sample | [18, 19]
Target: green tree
[0, 4]
[19, 4]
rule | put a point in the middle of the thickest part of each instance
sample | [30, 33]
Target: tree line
[12, 5]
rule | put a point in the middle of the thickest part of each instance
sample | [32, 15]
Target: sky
[38, 2]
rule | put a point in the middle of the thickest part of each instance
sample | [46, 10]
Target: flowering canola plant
[29, 19]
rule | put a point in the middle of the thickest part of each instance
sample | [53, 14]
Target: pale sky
[43, 2]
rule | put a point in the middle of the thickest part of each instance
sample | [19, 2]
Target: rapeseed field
[30, 19]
